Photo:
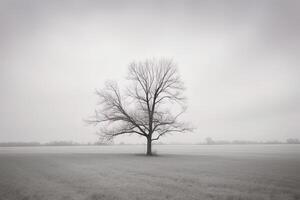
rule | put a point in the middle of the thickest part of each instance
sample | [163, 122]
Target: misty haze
[149, 100]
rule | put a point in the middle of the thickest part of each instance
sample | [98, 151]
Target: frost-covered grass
[177, 172]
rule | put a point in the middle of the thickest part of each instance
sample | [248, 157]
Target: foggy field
[178, 172]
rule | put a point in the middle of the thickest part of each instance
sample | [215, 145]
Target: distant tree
[150, 106]
[209, 140]
[293, 141]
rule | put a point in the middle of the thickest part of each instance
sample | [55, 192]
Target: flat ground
[178, 172]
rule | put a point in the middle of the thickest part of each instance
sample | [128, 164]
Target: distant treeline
[53, 143]
[208, 141]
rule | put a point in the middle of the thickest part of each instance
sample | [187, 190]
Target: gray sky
[239, 61]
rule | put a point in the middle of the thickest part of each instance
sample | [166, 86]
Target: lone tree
[150, 105]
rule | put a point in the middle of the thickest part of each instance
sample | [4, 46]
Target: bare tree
[150, 106]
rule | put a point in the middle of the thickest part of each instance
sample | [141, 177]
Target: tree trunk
[149, 151]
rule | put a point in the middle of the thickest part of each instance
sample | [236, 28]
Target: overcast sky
[239, 61]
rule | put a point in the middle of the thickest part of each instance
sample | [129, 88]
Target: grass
[95, 176]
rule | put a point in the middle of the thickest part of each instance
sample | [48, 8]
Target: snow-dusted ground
[178, 172]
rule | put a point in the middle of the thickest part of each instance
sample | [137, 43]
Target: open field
[179, 172]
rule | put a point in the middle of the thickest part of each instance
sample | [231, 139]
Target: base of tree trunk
[149, 147]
